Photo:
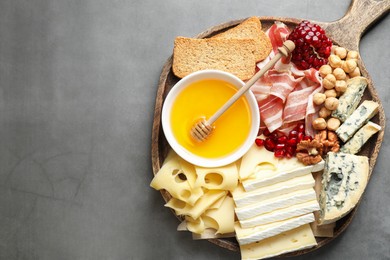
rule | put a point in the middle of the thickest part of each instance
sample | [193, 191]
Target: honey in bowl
[200, 100]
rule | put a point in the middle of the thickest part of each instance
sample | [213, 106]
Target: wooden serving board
[345, 32]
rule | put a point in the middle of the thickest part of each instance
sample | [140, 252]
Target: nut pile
[342, 65]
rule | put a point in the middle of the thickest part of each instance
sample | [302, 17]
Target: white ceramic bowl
[184, 153]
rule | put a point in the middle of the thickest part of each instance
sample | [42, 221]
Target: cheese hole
[264, 166]
[179, 176]
[185, 194]
[294, 240]
[213, 179]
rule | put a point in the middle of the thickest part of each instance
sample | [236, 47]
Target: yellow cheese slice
[195, 225]
[222, 218]
[289, 241]
[219, 178]
[257, 159]
[172, 178]
[208, 199]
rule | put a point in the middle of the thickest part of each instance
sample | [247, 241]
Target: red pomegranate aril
[266, 132]
[282, 139]
[259, 142]
[290, 150]
[300, 137]
[269, 145]
[279, 153]
[301, 128]
[307, 138]
[292, 141]
[274, 136]
[279, 146]
[292, 134]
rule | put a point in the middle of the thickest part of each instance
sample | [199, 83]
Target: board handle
[360, 16]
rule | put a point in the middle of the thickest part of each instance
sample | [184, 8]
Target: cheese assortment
[294, 183]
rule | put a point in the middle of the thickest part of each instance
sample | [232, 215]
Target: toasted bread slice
[250, 29]
[231, 55]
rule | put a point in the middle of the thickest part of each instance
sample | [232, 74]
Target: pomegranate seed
[300, 136]
[292, 141]
[274, 136]
[290, 150]
[289, 155]
[279, 146]
[282, 139]
[266, 132]
[269, 145]
[259, 142]
[279, 153]
[292, 134]
[301, 128]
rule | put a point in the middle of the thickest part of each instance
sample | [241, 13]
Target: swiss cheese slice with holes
[218, 178]
[201, 205]
[257, 159]
[173, 179]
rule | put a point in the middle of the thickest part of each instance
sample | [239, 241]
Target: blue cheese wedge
[355, 144]
[359, 117]
[343, 183]
[349, 101]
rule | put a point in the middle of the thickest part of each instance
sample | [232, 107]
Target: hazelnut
[319, 124]
[334, 61]
[325, 70]
[329, 81]
[324, 112]
[352, 55]
[333, 123]
[319, 98]
[330, 93]
[331, 103]
[341, 52]
[341, 86]
[349, 65]
[339, 73]
[355, 73]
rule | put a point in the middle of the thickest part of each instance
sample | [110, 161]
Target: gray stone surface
[78, 81]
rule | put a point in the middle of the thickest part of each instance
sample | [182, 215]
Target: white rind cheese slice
[270, 177]
[355, 144]
[272, 204]
[293, 240]
[243, 198]
[344, 180]
[250, 235]
[358, 118]
[281, 214]
[351, 98]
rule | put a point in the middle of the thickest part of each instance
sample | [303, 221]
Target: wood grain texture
[345, 32]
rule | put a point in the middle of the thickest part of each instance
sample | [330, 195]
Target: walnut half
[309, 152]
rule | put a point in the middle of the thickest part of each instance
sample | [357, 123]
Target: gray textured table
[78, 81]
